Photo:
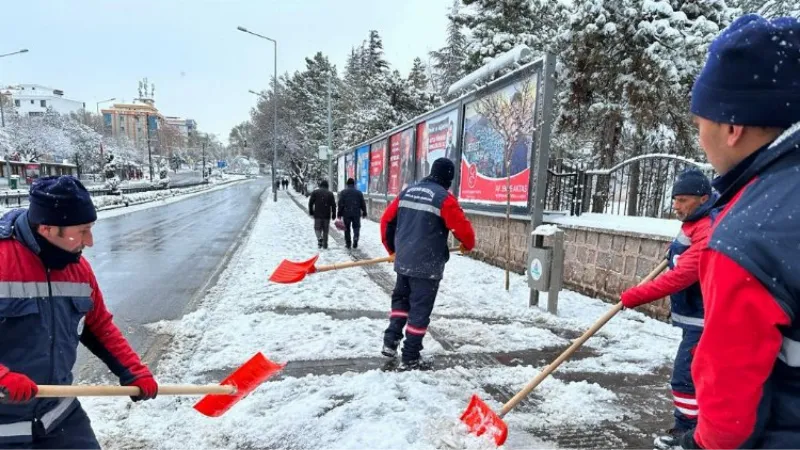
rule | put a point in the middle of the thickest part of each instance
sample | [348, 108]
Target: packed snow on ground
[336, 315]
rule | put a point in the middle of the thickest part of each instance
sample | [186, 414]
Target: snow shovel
[218, 399]
[480, 419]
[289, 272]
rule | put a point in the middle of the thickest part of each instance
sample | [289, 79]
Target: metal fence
[639, 186]
[17, 199]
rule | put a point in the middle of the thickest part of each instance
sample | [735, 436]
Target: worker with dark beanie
[49, 302]
[415, 227]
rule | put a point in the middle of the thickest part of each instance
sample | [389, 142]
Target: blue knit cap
[691, 182]
[60, 201]
[752, 75]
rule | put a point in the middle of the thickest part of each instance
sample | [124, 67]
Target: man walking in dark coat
[322, 207]
[415, 228]
[351, 209]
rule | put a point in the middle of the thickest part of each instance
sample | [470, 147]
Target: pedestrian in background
[352, 208]
[322, 207]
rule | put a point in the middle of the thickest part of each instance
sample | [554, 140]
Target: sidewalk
[329, 327]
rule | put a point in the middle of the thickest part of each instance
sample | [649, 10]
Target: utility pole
[204, 159]
[149, 152]
[2, 111]
[330, 136]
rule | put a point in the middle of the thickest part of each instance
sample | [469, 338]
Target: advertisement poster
[350, 165]
[394, 165]
[436, 138]
[498, 135]
[406, 158]
[377, 172]
[362, 166]
[340, 173]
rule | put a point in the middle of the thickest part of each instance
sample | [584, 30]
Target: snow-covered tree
[769, 8]
[497, 26]
[448, 61]
[367, 82]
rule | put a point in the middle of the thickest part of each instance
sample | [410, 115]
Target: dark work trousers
[74, 432]
[412, 302]
[321, 227]
[683, 393]
[355, 223]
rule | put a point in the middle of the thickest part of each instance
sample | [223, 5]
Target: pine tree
[769, 8]
[367, 84]
[497, 26]
[417, 77]
[448, 61]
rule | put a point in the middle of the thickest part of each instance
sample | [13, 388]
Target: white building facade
[35, 99]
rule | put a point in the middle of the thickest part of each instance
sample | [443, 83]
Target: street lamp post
[104, 101]
[149, 152]
[2, 108]
[275, 94]
[330, 136]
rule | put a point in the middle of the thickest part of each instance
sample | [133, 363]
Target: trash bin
[13, 182]
[546, 265]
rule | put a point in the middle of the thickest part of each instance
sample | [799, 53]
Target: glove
[363, 215]
[688, 442]
[463, 249]
[17, 388]
[631, 298]
[147, 384]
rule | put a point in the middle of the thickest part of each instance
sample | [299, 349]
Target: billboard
[377, 169]
[401, 161]
[436, 138]
[497, 142]
[350, 165]
[340, 174]
[362, 167]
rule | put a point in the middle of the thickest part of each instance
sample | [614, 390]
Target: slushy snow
[342, 315]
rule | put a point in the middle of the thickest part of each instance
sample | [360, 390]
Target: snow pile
[546, 230]
[645, 225]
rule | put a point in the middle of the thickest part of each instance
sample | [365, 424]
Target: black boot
[416, 364]
[671, 439]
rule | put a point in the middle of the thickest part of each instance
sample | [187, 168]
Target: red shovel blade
[246, 378]
[289, 272]
[480, 419]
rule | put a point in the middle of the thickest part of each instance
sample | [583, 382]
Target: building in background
[128, 119]
[187, 128]
[35, 99]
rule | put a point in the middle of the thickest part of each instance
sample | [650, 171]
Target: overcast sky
[201, 65]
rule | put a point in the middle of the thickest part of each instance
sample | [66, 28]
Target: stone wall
[598, 262]
[603, 263]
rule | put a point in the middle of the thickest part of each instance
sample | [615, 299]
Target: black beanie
[691, 182]
[443, 171]
[60, 201]
[751, 75]
[351, 182]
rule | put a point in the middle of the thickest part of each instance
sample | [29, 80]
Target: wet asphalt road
[152, 264]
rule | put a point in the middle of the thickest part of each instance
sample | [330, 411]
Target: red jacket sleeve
[102, 337]
[740, 344]
[389, 225]
[457, 222]
[684, 274]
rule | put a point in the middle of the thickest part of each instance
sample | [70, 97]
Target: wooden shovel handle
[363, 262]
[573, 348]
[48, 391]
